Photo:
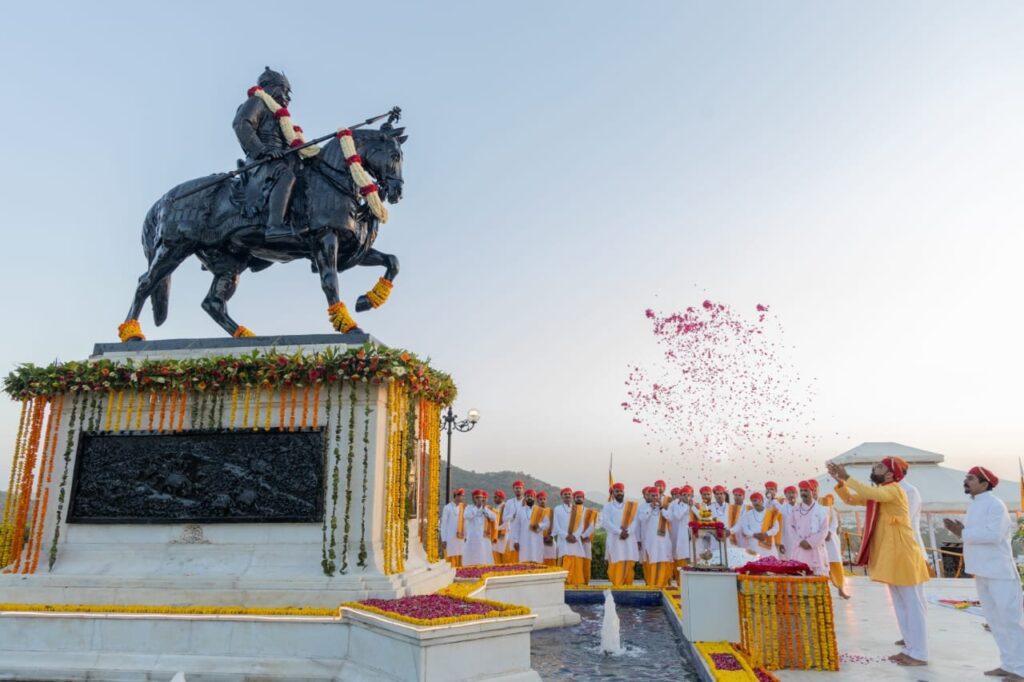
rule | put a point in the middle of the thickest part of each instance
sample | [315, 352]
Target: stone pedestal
[248, 563]
[544, 593]
[710, 606]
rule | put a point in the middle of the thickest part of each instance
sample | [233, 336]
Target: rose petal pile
[769, 565]
[430, 606]
[725, 662]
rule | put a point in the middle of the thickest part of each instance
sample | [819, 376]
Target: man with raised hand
[530, 526]
[988, 556]
[480, 532]
[619, 520]
[890, 551]
[453, 528]
[720, 507]
[513, 507]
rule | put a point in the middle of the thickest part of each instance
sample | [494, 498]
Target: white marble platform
[543, 593]
[959, 647]
[358, 647]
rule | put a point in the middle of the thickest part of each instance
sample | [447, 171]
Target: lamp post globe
[450, 422]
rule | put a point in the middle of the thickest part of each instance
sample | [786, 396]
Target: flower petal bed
[725, 662]
[437, 609]
[771, 566]
[476, 572]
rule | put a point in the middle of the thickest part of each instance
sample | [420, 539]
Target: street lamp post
[451, 422]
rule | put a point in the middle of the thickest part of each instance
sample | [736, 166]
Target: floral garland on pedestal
[230, 392]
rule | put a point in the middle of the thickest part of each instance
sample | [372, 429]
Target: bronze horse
[332, 228]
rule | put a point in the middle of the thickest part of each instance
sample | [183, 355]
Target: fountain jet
[610, 642]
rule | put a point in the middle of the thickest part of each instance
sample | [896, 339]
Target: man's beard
[529, 503]
[876, 479]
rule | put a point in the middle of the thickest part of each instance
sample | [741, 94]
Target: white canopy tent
[941, 488]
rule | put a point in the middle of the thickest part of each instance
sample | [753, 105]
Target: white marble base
[710, 606]
[544, 593]
[358, 648]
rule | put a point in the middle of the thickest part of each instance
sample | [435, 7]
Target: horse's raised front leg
[327, 265]
[375, 297]
[216, 303]
[165, 261]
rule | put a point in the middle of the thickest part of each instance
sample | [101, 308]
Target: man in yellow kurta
[890, 550]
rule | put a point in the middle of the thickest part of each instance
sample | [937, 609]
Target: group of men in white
[520, 529]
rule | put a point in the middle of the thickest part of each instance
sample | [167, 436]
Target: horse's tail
[162, 293]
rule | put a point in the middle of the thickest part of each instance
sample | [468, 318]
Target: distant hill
[502, 480]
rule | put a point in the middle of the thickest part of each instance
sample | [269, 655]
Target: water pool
[653, 650]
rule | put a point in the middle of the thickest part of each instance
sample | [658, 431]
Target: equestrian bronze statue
[290, 199]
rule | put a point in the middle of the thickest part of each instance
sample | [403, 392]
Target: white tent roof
[942, 488]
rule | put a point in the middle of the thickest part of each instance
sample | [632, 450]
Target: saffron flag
[611, 480]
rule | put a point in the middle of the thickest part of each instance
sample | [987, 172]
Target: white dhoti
[909, 603]
[1001, 601]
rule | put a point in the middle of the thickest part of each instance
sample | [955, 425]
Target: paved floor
[959, 647]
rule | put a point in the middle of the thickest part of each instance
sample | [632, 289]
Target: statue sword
[392, 116]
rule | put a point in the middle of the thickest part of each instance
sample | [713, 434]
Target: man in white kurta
[757, 527]
[575, 538]
[720, 506]
[509, 513]
[501, 544]
[560, 522]
[530, 525]
[785, 509]
[679, 514]
[988, 556]
[452, 540]
[914, 502]
[809, 526]
[659, 562]
[478, 549]
[619, 520]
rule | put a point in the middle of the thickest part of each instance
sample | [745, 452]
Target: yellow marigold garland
[380, 292]
[340, 318]
[170, 610]
[787, 622]
[130, 331]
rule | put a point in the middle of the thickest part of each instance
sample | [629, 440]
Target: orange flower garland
[340, 318]
[130, 331]
[380, 292]
[787, 623]
[243, 333]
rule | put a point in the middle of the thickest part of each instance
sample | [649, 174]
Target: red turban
[719, 489]
[619, 486]
[661, 483]
[804, 485]
[739, 491]
[517, 483]
[897, 465]
[529, 493]
[771, 484]
[579, 493]
[789, 488]
[756, 496]
[983, 474]
[565, 490]
[704, 489]
[813, 482]
[686, 489]
[479, 493]
[675, 491]
[499, 493]
[542, 495]
[459, 491]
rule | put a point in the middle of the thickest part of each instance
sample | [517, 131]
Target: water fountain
[610, 642]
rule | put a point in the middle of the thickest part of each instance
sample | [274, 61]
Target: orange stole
[491, 527]
[628, 514]
[548, 515]
[460, 529]
[771, 517]
[537, 515]
[574, 519]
